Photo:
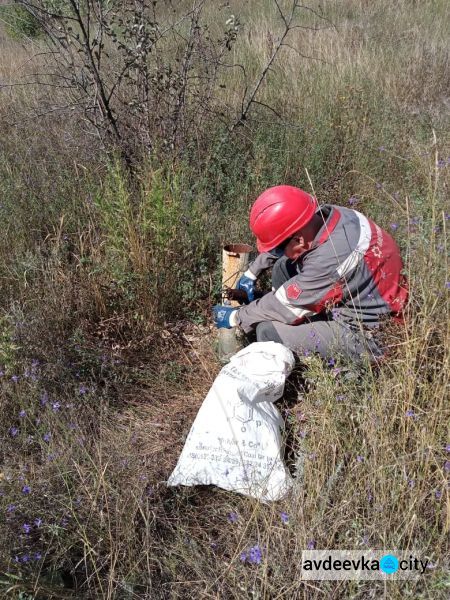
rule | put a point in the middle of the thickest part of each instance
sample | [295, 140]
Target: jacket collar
[331, 216]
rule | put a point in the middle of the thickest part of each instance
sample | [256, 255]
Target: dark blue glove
[222, 315]
[247, 285]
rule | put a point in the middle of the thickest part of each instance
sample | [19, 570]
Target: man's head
[301, 241]
[283, 218]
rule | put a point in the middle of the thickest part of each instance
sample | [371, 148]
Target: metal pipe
[235, 259]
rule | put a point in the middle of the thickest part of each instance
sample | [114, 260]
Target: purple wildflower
[243, 556]
[233, 517]
[23, 413]
[26, 489]
[25, 558]
[410, 413]
[56, 406]
[447, 285]
[360, 458]
[11, 508]
[447, 448]
[447, 465]
[379, 186]
[299, 415]
[411, 483]
[255, 555]
[352, 201]
[26, 527]
[284, 517]
[15, 378]
[311, 545]
[394, 226]
[82, 389]
[437, 494]
[38, 522]
[302, 434]
[37, 556]
[13, 431]
[46, 437]
[331, 362]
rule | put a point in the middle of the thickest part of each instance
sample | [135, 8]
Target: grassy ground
[107, 349]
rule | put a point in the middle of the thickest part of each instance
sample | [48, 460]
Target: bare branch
[247, 102]
[317, 14]
[305, 55]
[270, 108]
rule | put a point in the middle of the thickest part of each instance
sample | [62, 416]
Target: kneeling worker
[335, 273]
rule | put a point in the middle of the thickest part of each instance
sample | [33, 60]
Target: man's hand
[224, 316]
[247, 284]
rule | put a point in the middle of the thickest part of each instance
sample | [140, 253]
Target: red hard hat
[278, 213]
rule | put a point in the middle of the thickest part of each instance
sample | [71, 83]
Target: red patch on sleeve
[293, 291]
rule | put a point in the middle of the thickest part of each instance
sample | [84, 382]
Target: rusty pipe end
[237, 249]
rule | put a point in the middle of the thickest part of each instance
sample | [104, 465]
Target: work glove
[224, 316]
[247, 284]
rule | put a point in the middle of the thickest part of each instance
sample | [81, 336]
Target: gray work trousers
[318, 334]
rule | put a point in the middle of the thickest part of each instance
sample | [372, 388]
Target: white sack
[235, 440]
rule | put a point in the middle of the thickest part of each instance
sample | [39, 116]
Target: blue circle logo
[389, 564]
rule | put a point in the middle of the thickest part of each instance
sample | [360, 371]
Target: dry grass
[99, 285]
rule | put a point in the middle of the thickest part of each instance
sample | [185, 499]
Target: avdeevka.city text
[361, 564]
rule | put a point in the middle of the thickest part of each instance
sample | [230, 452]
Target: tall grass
[106, 347]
